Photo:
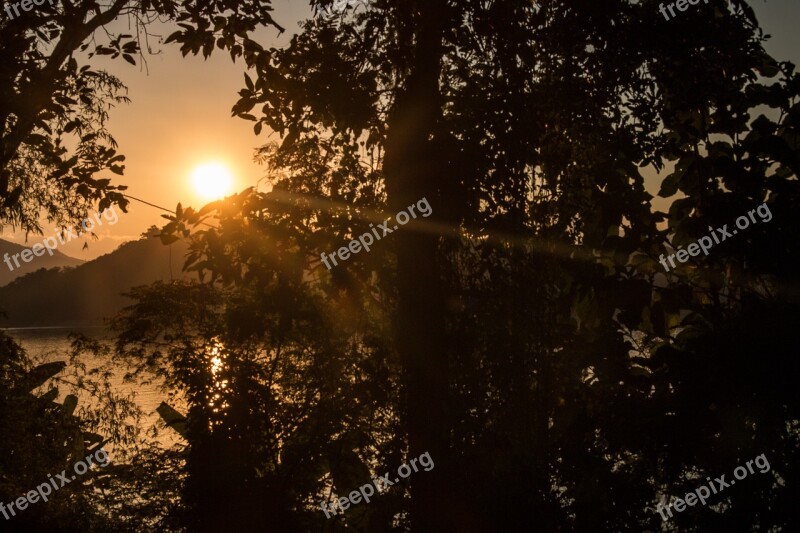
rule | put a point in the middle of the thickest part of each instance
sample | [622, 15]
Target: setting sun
[212, 181]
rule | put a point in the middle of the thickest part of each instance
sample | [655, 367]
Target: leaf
[70, 403]
[13, 197]
[35, 138]
[90, 437]
[290, 139]
[173, 419]
[39, 375]
[669, 186]
[50, 395]
[768, 67]
[643, 263]
[646, 323]
[168, 239]
[173, 37]
[679, 211]
[206, 209]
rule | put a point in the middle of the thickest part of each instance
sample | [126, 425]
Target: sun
[212, 181]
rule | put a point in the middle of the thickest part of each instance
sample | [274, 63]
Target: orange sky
[180, 117]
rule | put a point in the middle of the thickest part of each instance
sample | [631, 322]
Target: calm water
[53, 344]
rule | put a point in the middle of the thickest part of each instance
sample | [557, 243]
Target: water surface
[50, 344]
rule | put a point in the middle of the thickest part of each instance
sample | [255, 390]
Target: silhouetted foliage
[43, 436]
[524, 335]
[581, 384]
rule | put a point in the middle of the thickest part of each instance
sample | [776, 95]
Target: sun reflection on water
[217, 357]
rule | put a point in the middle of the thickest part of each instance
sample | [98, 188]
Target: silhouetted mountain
[85, 295]
[45, 261]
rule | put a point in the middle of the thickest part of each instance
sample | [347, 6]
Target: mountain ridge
[58, 259]
[87, 294]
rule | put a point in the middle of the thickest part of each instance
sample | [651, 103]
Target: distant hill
[86, 294]
[45, 261]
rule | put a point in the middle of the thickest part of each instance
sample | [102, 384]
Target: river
[53, 344]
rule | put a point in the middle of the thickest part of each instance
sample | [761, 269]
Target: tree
[47, 98]
[43, 437]
[49, 102]
[525, 126]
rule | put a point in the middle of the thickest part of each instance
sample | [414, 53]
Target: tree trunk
[413, 169]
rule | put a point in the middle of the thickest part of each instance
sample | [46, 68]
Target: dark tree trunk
[413, 170]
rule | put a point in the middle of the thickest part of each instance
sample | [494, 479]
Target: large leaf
[173, 419]
[70, 403]
[49, 396]
[39, 375]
